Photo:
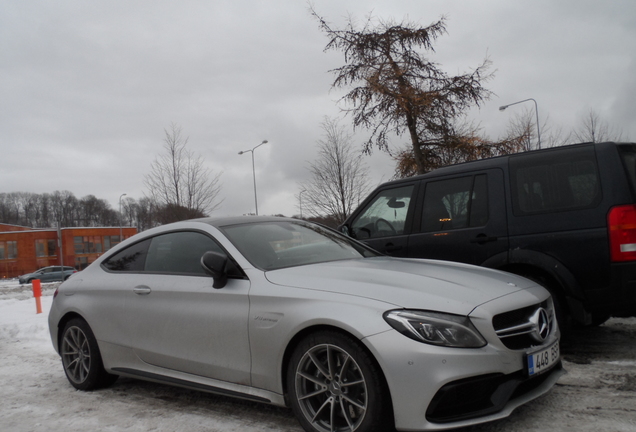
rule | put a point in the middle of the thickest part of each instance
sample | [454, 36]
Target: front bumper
[482, 396]
[437, 388]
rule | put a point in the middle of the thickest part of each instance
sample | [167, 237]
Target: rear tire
[81, 357]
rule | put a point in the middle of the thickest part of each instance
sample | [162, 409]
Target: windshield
[275, 245]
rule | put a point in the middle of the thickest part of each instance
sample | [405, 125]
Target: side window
[131, 259]
[555, 181]
[455, 203]
[179, 252]
[385, 215]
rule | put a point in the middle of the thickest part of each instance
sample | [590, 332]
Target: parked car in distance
[563, 216]
[291, 313]
[48, 274]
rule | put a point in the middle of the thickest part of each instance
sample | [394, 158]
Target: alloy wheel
[76, 354]
[331, 389]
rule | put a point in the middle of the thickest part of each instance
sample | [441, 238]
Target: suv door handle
[142, 290]
[483, 238]
[390, 247]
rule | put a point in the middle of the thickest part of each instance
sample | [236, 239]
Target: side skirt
[188, 384]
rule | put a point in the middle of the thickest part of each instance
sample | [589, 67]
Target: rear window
[557, 180]
[628, 154]
[131, 259]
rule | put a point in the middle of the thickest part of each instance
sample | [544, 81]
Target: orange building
[24, 250]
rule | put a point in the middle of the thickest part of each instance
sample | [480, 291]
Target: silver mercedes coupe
[294, 314]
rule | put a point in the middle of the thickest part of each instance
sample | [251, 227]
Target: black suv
[564, 216]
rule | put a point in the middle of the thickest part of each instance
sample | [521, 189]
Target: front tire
[336, 386]
[81, 357]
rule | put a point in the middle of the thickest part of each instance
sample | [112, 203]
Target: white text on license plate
[543, 360]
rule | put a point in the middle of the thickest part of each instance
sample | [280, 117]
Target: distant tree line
[47, 210]
[179, 186]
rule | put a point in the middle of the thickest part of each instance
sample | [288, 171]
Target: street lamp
[536, 110]
[120, 228]
[300, 200]
[254, 171]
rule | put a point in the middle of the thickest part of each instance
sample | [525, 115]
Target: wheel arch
[302, 334]
[553, 275]
[62, 323]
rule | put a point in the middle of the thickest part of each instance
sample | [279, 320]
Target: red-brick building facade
[24, 250]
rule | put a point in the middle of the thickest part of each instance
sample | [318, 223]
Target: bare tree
[396, 90]
[339, 178]
[594, 129]
[522, 127]
[64, 208]
[179, 179]
[141, 214]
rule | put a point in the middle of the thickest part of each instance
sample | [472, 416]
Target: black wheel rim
[76, 354]
[331, 389]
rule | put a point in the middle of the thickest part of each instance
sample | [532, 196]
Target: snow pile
[11, 288]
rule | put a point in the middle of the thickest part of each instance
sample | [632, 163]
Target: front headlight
[436, 328]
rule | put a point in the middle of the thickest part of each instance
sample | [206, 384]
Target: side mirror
[345, 230]
[215, 264]
[395, 204]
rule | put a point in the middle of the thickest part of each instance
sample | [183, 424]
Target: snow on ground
[597, 394]
[35, 395]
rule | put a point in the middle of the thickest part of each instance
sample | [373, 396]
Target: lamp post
[536, 110]
[120, 228]
[254, 171]
[300, 201]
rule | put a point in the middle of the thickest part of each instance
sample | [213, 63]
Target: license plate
[541, 361]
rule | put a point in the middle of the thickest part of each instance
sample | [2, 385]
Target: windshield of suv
[275, 245]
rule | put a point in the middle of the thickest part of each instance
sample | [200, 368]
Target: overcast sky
[88, 87]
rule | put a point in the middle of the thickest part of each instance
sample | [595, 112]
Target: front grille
[520, 328]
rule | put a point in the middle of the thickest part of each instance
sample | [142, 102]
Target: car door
[179, 321]
[384, 222]
[57, 274]
[461, 218]
[46, 274]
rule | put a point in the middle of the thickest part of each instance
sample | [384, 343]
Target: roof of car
[487, 162]
[238, 220]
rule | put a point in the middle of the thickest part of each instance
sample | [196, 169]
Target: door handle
[390, 247]
[142, 290]
[483, 238]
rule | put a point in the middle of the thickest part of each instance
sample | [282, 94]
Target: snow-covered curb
[11, 289]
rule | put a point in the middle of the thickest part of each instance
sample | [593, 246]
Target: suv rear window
[558, 180]
[628, 154]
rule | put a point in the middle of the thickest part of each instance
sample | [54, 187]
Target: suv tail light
[621, 223]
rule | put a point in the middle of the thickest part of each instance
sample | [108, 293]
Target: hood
[407, 283]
